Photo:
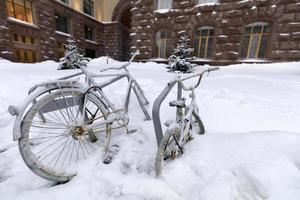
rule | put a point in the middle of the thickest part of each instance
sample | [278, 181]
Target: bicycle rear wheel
[55, 134]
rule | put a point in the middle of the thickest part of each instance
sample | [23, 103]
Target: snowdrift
[251, 150]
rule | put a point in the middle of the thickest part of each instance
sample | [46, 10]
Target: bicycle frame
[116, 114]
[180, 87]
[67, 82]
[132, 85]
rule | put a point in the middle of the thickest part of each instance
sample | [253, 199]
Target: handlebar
[124, 65]
[180, 81]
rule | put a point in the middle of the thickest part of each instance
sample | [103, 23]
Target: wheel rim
[58, 140]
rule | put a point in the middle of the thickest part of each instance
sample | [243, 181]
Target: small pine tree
[180, 59]
[72, 58]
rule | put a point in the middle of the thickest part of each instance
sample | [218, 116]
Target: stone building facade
[43, 41]
[221, 31]
[228, 18]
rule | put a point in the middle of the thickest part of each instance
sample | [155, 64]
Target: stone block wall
[228, 17]
[6, 50]
[108, 37]
[111, 43]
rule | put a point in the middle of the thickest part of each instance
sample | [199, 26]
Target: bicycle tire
[62, 124]
[167, 139]
[199, 123]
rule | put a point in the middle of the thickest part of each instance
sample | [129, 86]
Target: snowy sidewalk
[251, 150]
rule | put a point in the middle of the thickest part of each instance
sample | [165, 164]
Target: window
[163, 49]
[61, 48]
[88, 7]
[207, 1]
[26, 56]
[203, 42]
[25, 48]
[65, 1]
[255, 40]
[24, 39]
[164, 4]
[62, 23]
[89, 33]
[20, 9]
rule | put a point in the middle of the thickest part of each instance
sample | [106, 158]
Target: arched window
[203, 42]
[255, 40]
[164, 4]
[206, 1]
[163, 44]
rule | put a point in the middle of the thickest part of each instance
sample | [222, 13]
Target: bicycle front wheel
[168, 149]
[197, 123]
[56, 136]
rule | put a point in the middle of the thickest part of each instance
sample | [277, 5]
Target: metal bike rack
[180, 87]
[156, 108]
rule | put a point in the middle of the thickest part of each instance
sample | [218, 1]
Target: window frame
[88, 3]
[61, 48]
[167, 44]
[67, 2]
[197, 51]
[157, 3]
[86, 27]
[25, 48]
[261, 34]
[58, 23]
[28, 11]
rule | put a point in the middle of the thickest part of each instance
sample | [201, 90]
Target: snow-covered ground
[251, 150]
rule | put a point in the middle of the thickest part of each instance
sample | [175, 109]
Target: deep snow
[251, 150]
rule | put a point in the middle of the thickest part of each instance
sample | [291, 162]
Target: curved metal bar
[193, 76]
[156, 111]
[158, 101]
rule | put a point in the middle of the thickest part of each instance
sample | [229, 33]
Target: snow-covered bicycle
[62, 122]
[180, 131]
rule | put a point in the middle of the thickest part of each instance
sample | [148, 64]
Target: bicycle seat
[178, 103]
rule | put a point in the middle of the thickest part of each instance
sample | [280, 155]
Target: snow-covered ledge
[158, 60]
[91, 41]
[17, 21]
[64, 34]
[162, 11]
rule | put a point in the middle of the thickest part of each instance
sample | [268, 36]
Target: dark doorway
[126, 18]
[125, 26]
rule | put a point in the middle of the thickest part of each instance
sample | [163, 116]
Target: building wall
[107, 9]
[103, 8]
[5, 36]
[228, 17]
[107, 35]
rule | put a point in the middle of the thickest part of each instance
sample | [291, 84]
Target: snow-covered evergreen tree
[180, 59]
[72, 58]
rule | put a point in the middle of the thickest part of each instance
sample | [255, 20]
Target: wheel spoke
[54, 132]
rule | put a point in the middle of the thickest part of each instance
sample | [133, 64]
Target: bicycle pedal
[107, 160]
[178, 103]
[111, 153]
[168, 123]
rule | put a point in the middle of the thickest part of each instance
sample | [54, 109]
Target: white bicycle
[186, 123]
[63, 122]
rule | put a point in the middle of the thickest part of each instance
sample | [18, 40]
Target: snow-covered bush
[72, 58]
[180, 59]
